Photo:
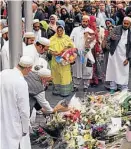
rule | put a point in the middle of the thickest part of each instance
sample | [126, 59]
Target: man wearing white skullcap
[119, 56]
[4, 48]
[127, 19]
[80, 71]
[5, 53]
[15, 99]
[29, 38]
[37, 82]
[36, 29]
[37, 49]
[5, 34]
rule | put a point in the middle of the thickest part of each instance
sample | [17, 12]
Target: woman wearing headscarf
[61, 74]
[109, 22]
[97, 69]
[52, 24]
[64, 15]
[94, 11]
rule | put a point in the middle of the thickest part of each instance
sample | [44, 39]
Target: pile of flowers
[68, 56]
[88, 125]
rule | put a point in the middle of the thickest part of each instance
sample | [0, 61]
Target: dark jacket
[47, 33]
[77, 17]
[39, 15]
[120, 14]
[50, 10]
[117, 31]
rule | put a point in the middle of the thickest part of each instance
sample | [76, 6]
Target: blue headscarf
[61, 23]
[111, 20]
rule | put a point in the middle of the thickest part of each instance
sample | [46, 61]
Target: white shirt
[37, 34]
[102, 17]
[43, 102]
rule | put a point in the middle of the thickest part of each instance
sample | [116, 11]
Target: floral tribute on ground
[91, 123]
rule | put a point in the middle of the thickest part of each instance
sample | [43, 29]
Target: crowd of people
[100, 33]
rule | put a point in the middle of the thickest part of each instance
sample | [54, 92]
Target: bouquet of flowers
[67, 56]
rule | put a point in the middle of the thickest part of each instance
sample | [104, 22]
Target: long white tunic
[15, 109]
[31, 51]
[116, 71]
[5, 55]
[78, 68]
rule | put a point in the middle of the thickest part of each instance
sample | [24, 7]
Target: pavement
[53, 100]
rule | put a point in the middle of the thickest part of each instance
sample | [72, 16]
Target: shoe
[85, 90]
[93, 85]
[39, 112]
[75, 89]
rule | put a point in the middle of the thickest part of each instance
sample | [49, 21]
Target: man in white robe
[37, 49]
[37, 83]
[5, 34]
[5, 56]
[36, 29]
[80, 71]
[15, 110]
[4, 49]
[120, 53]
[28, 39]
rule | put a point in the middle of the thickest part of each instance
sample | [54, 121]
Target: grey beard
[124, 28]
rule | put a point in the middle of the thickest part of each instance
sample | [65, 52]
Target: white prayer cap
[4, 30]
[26, 61]
[42, 63]
[127, 19]
[44, 41]
[86, 17]
[36, 21]
[44, 72]
[29, 35]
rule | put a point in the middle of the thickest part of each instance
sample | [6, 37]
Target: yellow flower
[87, 137]
[67, 136]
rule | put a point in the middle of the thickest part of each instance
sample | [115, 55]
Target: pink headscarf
[92, 25]
[53, 26]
